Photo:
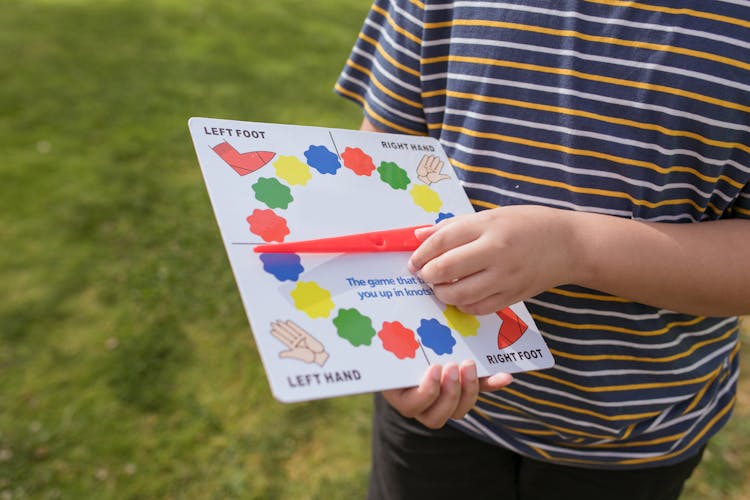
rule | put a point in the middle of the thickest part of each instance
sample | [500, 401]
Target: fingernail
[471, 371]
[452, 372]
[436, 374]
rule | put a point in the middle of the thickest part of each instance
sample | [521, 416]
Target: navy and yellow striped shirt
[638, 110]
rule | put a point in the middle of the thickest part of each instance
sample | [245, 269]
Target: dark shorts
[410, 461]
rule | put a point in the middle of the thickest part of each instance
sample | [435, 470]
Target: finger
[464, 289]
[495, 382]
[443, 223]
[456, 264]
[488, 305]
[444, 406]
[414, 400]
[422, 233]
[447, 235]
[469, 389]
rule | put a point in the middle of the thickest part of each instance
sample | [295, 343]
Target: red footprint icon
[511, 329]
[242, 163]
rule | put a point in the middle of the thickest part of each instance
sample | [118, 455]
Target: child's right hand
[486, 261]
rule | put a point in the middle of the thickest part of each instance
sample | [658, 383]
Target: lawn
[127, 369]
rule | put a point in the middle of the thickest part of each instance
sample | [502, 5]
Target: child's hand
[484, 262]
[444, 393]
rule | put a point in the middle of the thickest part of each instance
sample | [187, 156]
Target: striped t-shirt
[638, 110]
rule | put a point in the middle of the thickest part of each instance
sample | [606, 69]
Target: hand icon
[428, 170]
[301, 345]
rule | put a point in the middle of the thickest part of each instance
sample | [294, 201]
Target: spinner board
[343, 323]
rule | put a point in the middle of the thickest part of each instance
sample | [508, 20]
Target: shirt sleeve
[741, 207]
[382, 73]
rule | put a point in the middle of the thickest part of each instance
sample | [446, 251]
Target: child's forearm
[698, 268]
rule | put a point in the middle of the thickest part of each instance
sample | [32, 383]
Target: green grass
[126, 365]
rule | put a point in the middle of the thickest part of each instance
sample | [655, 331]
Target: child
[606, 146]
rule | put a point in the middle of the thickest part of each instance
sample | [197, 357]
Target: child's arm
[483, 262]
